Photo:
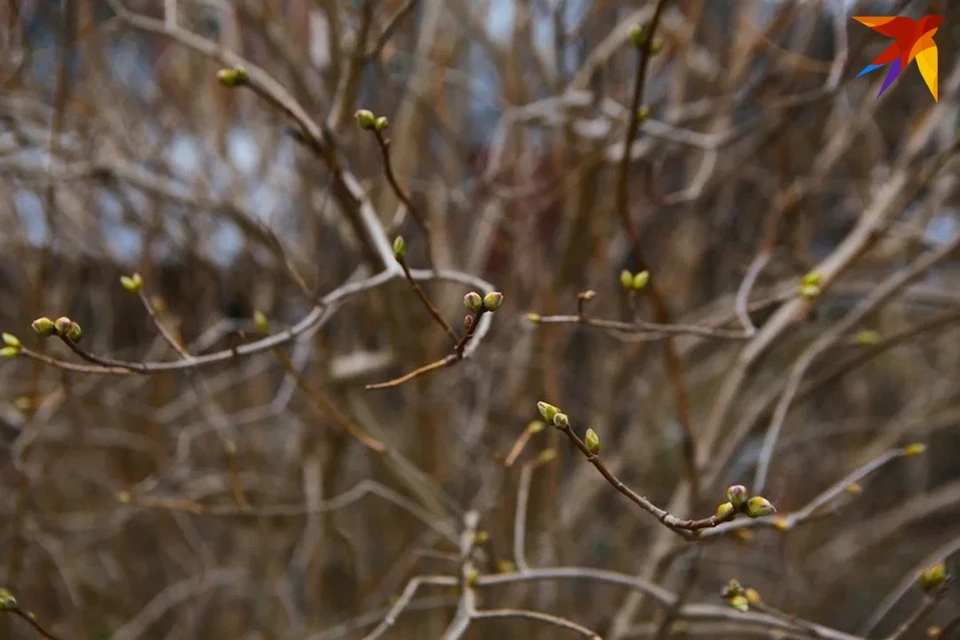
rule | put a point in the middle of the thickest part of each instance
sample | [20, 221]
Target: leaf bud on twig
[44, 326]
[758, 506]
[737, 495]
[365, 119]
[133, 283]
[547, 410]
[492, 301]
[592, 440]
[473, 302]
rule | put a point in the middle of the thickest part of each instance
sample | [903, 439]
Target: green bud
[592, 440]
[587, 295]
[737, 495]
[473, 302]
[44, 326]
[62, 325]
[11, 340]
[260, 322]
[914, 449]
[643, 113]
[399, 248]
[813, 278]
[235, 77]
[809, 291]
[492, 301]
[74, 333]
[725, 510]
[7, 601]
[932, 577]
[561, 421]
[640, 280]
[758, 506]
[547, 410]
[637, 36]
[656, 47]
[868, 337]
[740, 603]
[133, 283]
[365, 119]
[626, 280]
[9, 352]
[380, 124]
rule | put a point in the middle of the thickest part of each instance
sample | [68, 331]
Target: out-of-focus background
[267, 493]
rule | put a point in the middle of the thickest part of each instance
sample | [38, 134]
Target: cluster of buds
[62, 326]
[486, 304]
[554, 416]
[634, 281]
[739, 501]
[11, 346]
[368, 121]
[810, 285]
[738, 597]
[133, 283]
[933, 578]
[638, 38]
[235, 77]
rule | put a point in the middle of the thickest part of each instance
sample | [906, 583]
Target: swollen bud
[74, 333]
[9, 352]
[365, 119]
[44, 327]
[260, 322]
[533, 317]
[724, 510]
[914, 449]
[235, 77]
[492, 301]
[7, 601]
[473, 302]
[561, 421]
[380, 124]
[592, 440]
[626, 280]
[637, 36]
[758, 506]
[640, 280]
[11, 340]
[133, 283]
[933, 577]
[740, 603]
[547, 410]
[399, 248]
[62, 325]
[643, 112]
[737, 495]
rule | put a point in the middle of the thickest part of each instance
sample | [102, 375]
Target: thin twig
[689, 529]
[639, 326]
[30, 619]
[426, 301]
[384, 144]
[556, 621]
